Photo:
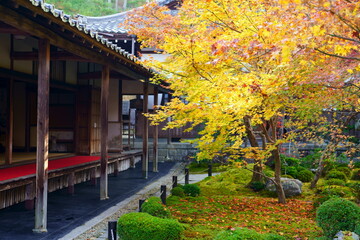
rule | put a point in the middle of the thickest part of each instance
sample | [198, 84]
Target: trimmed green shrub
[336, 174]
[345, 170]
[355, 175]
[178, 191]
[337, 214]
[154, 207]
[289, 161]
[305, 175]
[355, 187]
[339, 191]
[292, 171]
[143, 226]
[357, 229]
[310, 160]
[192, 190]
[246, 234]
[257, 186]
[334, 181]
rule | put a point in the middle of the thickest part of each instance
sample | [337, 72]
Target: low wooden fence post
[174, 182]
[186, 176]
[210, 170]
[141, 201]
[112, 230]
[163, 194]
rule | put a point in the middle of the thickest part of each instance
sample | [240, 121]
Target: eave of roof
[80, 26]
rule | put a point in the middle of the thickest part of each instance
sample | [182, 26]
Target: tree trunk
[279, 188]
[318, 173]
[258, 168]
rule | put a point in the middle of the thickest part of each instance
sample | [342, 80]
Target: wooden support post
[145, 158]
[29, 197]
[93, 176]
[155, 135]
[71, 183]
[10, 110]
[116, 168]
[42, 137]
[132, 162]
[104, 133]
[168, 131]
[121, 115]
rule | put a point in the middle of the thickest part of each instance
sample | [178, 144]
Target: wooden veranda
[61, 88]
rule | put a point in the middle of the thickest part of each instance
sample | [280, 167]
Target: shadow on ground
[66, 212]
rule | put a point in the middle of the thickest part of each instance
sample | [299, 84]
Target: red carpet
[28, 169]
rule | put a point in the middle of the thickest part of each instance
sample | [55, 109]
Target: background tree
[238, 68]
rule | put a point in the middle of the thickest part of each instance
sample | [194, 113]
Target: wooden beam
[104, 133]
[145, 157]
[28, 25]
[42, 137]
[155, 135]
[55, 56]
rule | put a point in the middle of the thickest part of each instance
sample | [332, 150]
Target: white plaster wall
[19, 114]
[5, 50]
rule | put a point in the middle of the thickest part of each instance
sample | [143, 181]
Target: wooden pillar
[104, 133]
[169, 119]
[120, 115]
[42, 149]
[145, 155]
[10, 110]
[155, 135]
[71, 183]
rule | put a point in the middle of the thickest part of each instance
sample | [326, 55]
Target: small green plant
[345, 170]
[292, 171]
[257, 186]
[154, 207]
[336, 174]
[143, 226]
[305, 175]
[178, 191]
[355, 187]
[245, 234]
[355, 175]
[334, 181]
[339, 191]
[337, 214]
[192, 190]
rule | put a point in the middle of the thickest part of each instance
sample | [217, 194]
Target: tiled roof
[81, 26]
[111, 23]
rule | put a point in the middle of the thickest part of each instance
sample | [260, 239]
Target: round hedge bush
[337, 214]
[154, 207]
[178, 191]
[305, 175]
[257, 186]
[337, 175]
[192, 190]
[143, 226]
[334, 181]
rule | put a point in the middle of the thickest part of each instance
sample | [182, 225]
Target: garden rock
[292, 187]
[346, 235]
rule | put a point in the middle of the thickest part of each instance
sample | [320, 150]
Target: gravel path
[96, 229]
